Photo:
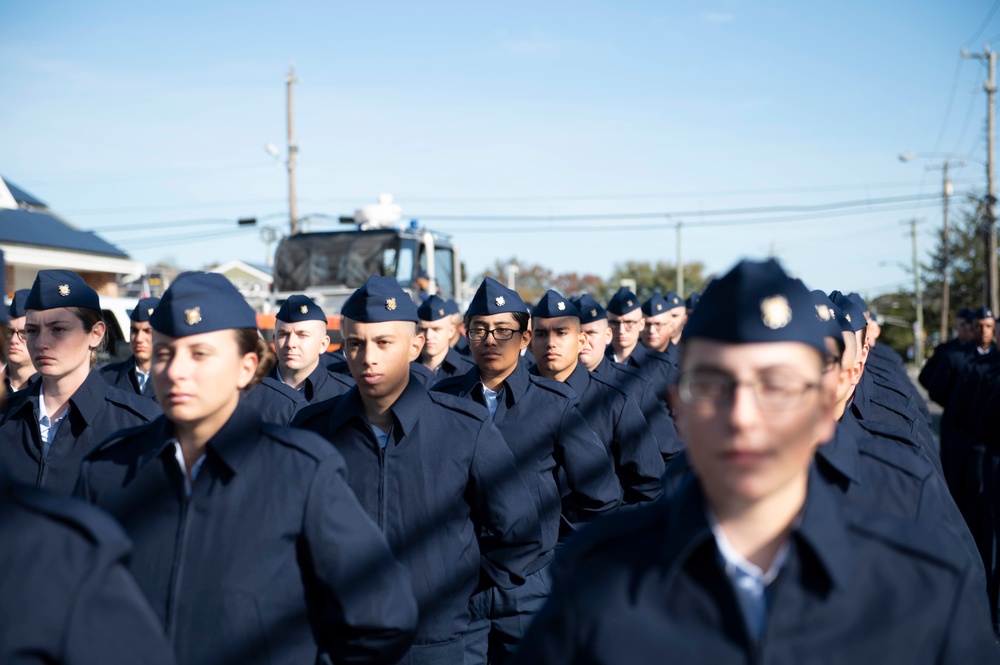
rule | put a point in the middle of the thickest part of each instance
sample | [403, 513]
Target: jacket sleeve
[637, 458]
[590, 473]
[367, 613]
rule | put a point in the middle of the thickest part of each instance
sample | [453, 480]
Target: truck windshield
[340, 258]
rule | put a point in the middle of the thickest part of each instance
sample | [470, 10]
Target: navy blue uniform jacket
[277, 402]
[65, 594]
[122, 376]
[454, 364]
[270, 560]
[444, 477]
[613, 414]
[545, 430]
[657, 368]
[96, 411]
[855, 588]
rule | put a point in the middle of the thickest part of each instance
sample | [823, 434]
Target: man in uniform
[963, 335]
[665, 317]
[551, 441]
[610, 410]
[754, 558]
[19, 371]
[132, 374]
[430, 469]
[437, 323]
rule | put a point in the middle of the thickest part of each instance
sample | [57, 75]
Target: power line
[951, 99]
[986, 22]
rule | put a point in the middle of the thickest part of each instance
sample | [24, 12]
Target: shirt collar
[230, 444]
[409, 406]
[578, 379]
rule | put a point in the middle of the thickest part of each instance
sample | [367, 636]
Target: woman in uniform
[248, 542]
[49, 428]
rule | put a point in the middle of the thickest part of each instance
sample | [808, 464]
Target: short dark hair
[248, 340]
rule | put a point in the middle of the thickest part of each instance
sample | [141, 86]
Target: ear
[525, 338]
[248, 368]
[97, 334]
[324, 344]
[416, 345]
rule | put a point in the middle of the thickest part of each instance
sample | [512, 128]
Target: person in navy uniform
[437, 323]
[754, 559]
[597, 337]
[665, 316]
[48, 429]
[458, 340]
[132, 374]
[610, 409]
[19, 371]
[963, 335]
[429, 468]
[248, 542]
[540, 421]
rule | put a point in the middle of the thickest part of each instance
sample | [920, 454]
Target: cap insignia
[775, 312]
[823, 312]
[659, 307]
[676, 300]
[192, 316]
[304, 309]
[149, 312]
[390, 304]
[500, 301]
[64, 289]
[593, 312]
[848, 317]
[560, 306]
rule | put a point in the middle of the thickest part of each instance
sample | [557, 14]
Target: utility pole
[947, 189]
[293, 150]
[992, 299]
[680, 263]
[918, 326]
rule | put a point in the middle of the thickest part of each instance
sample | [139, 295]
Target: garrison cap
[692, 300]
[826, 314]
[5, 314]
[553, 305]
[590, 310]
[299, 308]
[144, 309]
[434, 309]
[61, 288]
[843, 325]
[201, 302]
[658, 304]
[981, 313]
[378, 300]
[859, 302]
[965, 314]
[854, 315]
[623, 302]
[755, 302]
[16, 309]
[492, 297]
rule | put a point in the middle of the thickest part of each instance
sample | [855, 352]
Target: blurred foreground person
[132, 374]
[49, 428]
[249, 544]
[754, 559]
[19, 371]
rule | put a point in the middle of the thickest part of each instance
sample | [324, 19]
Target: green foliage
[650, 278]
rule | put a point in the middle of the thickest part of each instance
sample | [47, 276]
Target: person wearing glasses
[48, 429]
[19, 371]
[754, 559]
[569, 473]
[664, 320]
[132, 374]
[431, 469]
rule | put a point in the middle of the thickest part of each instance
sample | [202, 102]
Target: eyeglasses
[499, 334]
[627, 325]
[19, 334]
[830, 363]
[657, 326]
[716, 389]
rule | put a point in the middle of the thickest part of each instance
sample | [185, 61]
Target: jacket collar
[231, 444]
[841, 452]
[409, 406]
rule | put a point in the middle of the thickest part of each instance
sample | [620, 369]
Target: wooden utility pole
[293, 150]
[918, 326]
[680, 263]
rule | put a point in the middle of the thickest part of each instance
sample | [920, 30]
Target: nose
[744, 412]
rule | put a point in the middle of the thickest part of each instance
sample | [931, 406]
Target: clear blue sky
[123, 116]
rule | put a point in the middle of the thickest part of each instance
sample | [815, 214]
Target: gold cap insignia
[823, 312]
[440, 312]
[64, 289]
[628, 303]
[192, 316]
[658, 307]
[593, 312]
[676, 300]
[500, 301]
[848, 317]
[304, 309]
[775, 312]
[560, 306]
[149, 312]
[390, 304]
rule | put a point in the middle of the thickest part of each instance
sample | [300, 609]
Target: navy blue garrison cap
[434, 309]
[826, 314]
[965, 314]
[859, 302]
[843, 325]
[692, 300]
[201, 302]
[851, 311]
[553, 305]
[16, 309]
[61, 288]
[756, 302]
[981, 313]
[299, 308]
[658, 304]
[623, 302]
[492, 297]
[590, 310]
[378, 300]
[144, 309]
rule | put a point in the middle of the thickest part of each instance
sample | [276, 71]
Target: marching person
[132, 374]
[49, 428]
[19, 371]
[430, 469]
[248, 542]
[754, 559]
[627, 322]
[437, 322]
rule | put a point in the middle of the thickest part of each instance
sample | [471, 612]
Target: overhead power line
[985, 23]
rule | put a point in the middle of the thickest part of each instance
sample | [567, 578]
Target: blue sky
[130, 120]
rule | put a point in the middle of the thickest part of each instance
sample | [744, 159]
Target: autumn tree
[656, 277]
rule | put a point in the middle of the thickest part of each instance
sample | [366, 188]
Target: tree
[651, 278]
[531, 281]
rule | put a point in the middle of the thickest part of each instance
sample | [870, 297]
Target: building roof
[32, 223]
